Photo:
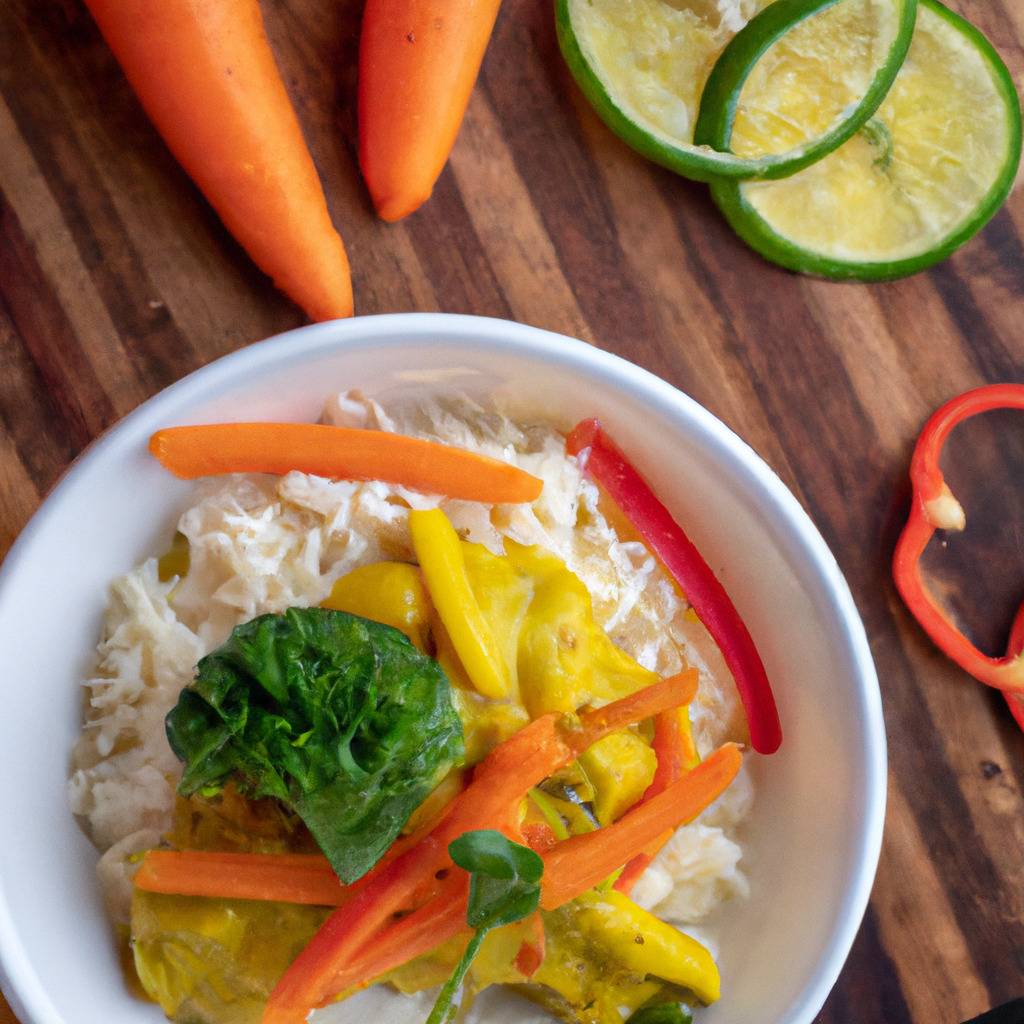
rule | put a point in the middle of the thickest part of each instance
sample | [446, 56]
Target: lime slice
[644, 64]
[924, 175]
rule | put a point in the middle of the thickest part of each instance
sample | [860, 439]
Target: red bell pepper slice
[934, 507]
[627, 488]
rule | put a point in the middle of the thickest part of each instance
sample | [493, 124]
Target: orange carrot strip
[437, 921]
[418, 60]
[341, 453]
[491, 800]
[580, 862]
[668, 746]
[646, 703]
[289, 878]
[206, 76]
[284, 878]
[331, 961]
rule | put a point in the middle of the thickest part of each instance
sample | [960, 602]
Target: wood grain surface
[116, 279]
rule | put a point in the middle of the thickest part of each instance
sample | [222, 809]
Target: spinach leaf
[340, 718]
[504, 887]
[661, 1013]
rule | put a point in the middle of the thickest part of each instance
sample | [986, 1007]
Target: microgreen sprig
[504, 887]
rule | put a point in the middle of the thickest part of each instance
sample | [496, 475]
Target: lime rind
[710, 163]
[755, 230]
[724, 87]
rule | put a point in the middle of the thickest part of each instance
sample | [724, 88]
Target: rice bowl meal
[463, 708]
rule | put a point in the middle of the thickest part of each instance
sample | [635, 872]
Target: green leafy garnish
[504, 887]
[662, 1013]
[340, 718]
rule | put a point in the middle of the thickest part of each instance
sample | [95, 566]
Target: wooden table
[116, 279]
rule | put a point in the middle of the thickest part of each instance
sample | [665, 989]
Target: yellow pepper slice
[605, 954]
[643, 943]
[388, 592]
[443, 565]
[504, 594]
[566, 660]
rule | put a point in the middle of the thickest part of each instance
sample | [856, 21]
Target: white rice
[263, 544]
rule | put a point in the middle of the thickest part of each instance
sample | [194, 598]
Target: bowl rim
[18, 980]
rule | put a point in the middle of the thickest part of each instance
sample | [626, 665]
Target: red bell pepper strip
[934, 507]
[628, 489]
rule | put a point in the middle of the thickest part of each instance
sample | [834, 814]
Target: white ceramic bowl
[814, 835]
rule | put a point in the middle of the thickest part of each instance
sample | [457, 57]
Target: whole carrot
[418, 60]
[205, 74]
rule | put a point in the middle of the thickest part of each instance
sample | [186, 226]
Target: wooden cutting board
[116, 279]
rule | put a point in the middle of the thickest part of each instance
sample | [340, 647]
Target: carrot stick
[437, 921]
[668, 746]
[288, 878]
[341, 453]
[206, 76]
[418, 60]
[649, 702]
[283, 878]
[580, 862]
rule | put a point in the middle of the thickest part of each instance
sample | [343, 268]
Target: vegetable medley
[446, 775]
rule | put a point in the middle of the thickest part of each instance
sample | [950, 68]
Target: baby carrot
[205, 74]
[341, 453]
[418, 60]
